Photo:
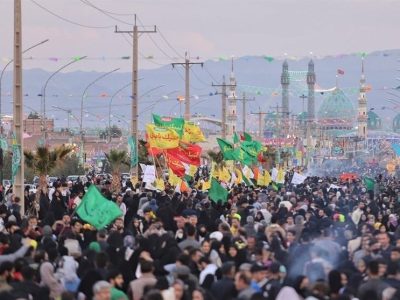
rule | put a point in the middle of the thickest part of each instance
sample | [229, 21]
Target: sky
[207, 29]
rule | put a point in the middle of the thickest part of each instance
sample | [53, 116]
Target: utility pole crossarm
[223, 99]
[135, 86]
[260, 123]
[187, 64]
[245, 100]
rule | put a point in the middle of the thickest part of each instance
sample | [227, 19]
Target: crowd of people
[322, 239]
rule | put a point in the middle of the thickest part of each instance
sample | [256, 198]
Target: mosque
[339, 129]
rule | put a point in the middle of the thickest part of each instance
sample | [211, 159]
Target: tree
[143, 153]
[117, 159]
[43, 161]
[114, 131]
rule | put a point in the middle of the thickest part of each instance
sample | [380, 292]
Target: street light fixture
[83, 96]
[1, 79]
[109, 109]
[43, 96]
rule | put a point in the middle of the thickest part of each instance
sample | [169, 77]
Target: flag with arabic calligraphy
[162, 138]
[175, 165]
[168, 122]
[226, 149]
[187, 153]
[192, 133]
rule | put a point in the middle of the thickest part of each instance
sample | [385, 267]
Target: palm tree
[43, 161]
[116, 159]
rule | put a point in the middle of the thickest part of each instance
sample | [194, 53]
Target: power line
[209, 74]
[155, 43]
[141, 54]
[104, 12]
[198, 78]
[181, 76]
[169, 45]
[67, 20]
[113, 13]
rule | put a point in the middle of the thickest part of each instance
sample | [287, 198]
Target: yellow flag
[134, 180]
[172, 178]
[281, 176]
[261, 180]
[192, 170]
[214, 172]
[267, 178]
[162, 138]
[160, 184]
[192, 133]
[224, 175]
[239, 176]
[206, 185]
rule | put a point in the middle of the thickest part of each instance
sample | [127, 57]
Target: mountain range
[159, 88]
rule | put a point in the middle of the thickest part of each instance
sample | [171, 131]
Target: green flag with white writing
[168, 122]
[226, 149]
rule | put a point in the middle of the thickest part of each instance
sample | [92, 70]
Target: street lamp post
[109, 109]
[82, 98]
[1, 80]
[43, 97]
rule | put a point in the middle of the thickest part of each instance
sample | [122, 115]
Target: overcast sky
[206, 28]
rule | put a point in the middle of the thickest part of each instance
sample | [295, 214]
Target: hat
[216, 235]
[95, 246]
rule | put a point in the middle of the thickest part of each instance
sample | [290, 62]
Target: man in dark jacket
[225, 287]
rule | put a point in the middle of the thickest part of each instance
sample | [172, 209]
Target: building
[231, 122]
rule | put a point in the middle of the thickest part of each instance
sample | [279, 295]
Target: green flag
[235, 138]
[16, 160]
[247, 137]
[96, 209]
[242, 156]
[250, 148]
[246, 180]
[369, 183]
[134, 152]
[217, 192]
[168, 122]
[226, 149]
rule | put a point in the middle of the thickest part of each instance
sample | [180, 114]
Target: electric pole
[245, 100]
[223, 99]
[135, 79]
[260, 122]
[187, 65]
[18, 104]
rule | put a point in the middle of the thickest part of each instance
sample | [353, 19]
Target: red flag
[187, 153]
[175, 165]
[340, 71]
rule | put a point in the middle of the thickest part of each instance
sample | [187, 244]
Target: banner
[171, 123]
[16, 160]
[192, 133]
[149, 174]
[163, 138]
[134, 153]
[187, 153]
[298, 178]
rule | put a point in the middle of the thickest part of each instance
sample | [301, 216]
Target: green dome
[396, 123]
[337, 110]
[374, 121]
